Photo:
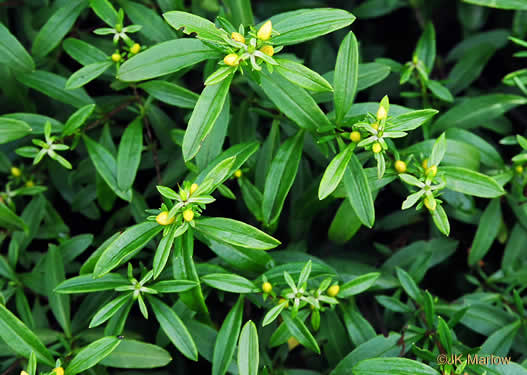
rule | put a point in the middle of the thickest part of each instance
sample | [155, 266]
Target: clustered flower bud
[135, 48]
[268, 50]
[355, 136]
[400, 166]
[116, 57]
[264, 33]
[238, 173]
[231, 59]
[188, 215]
[16, 172]
[376, 148]
[267, 287]
[238, 37]
[162, 218]
[333, 290]
[193, 188]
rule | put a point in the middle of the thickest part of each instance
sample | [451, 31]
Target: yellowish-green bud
[16, 172]
[376, 148]
[30, 183]
[238, 37]
[431, 204]
[23, 373]
[425, 164]
[193, 188]
[400, 166]
[183, 194]
[381, 113]
[283, 301]
[292, 343]
[268, 50]
[135, 48]
[264, 33]
[238, 173]
[231, 59]
[116, 57]
[267, 287]
[432, 171]
[519, 169]
[333, 290]
[355, 136]
[375, 125]
[162, 218]
[58, 370]
[188, 215]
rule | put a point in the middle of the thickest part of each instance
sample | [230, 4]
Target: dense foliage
[250, 187]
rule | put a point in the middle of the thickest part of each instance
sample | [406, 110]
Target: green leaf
[21, 339]
[225, 344]
[440, 91]
[305, 24]
[426, 47]
[9, 220]
[445, 336]
[235, 233]
[469, 67]
[302, 76]
[438, 151]
[106, 166]
[163, 250]
[53, 85]
[12, 53]
[240, 12]
[457, 153]
[441, 220]
[470, 182]
[500, 4]
[293, 101]
[358, 192]
[334, 172]
[229, 282]
[191, 23]
[152, 25]
[165, 58]
[174, 328]
[77, 119]
[500, 342]
[83, 52]
[87, 74]
[358, 284]
[248, 350]
[129, 154]
[173, 286]
[11, 129]
[299, 331]
[345, 223]
[281, 176]
[359, 329]
[126, 246]
[109, 310]
[205, 114]
[488, 154]
[55, 274]
[56, 27]
[473, 112]
[346, 76]
[106, 12]
[170, 93]
[92, 354]
[395, 366]
[410, 120]
[137, 355]
[87, 284]
[408, 284]
[488, 229]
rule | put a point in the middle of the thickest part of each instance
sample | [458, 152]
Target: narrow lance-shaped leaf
[229, 282]
[11, 129]
[470, 182]
[87, 74]
[190, 23]
[488, 228]
[129, 154]
[299, 331]
[226, 340]
[92, 354]
[55, 274]
[106, 12]
[174, 328]
[346, 75]
[87, 284]
[248, 350]
[205, 114]
[399, 366]
[281, 176]
[21, 339]
[137, 355]
[302, 76]
[335, 172]
[500, 4]
[358, 192]
[12, 53]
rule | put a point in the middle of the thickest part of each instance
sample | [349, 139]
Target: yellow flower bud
[135, 48]
[355, 136]
[375, 125]
[231, 59]
[183, 194]
[381, 113]
[268, 50]
[238, 173]
[283, 301]
[292, 343]
[432, 171]
[188, 215]
[16, 172]
[425, 164]
[30, 183]
[193, 188]
[23, 373]
[116, 57]
[162, 218]
[58, 370]
[267, 287]
[431, 204]
[238, 37]
[400, 166]
[264, 33]
[376, 148]
[333, 290]
[519, 169]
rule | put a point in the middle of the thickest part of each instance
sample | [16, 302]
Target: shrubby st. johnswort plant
[252, 187]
